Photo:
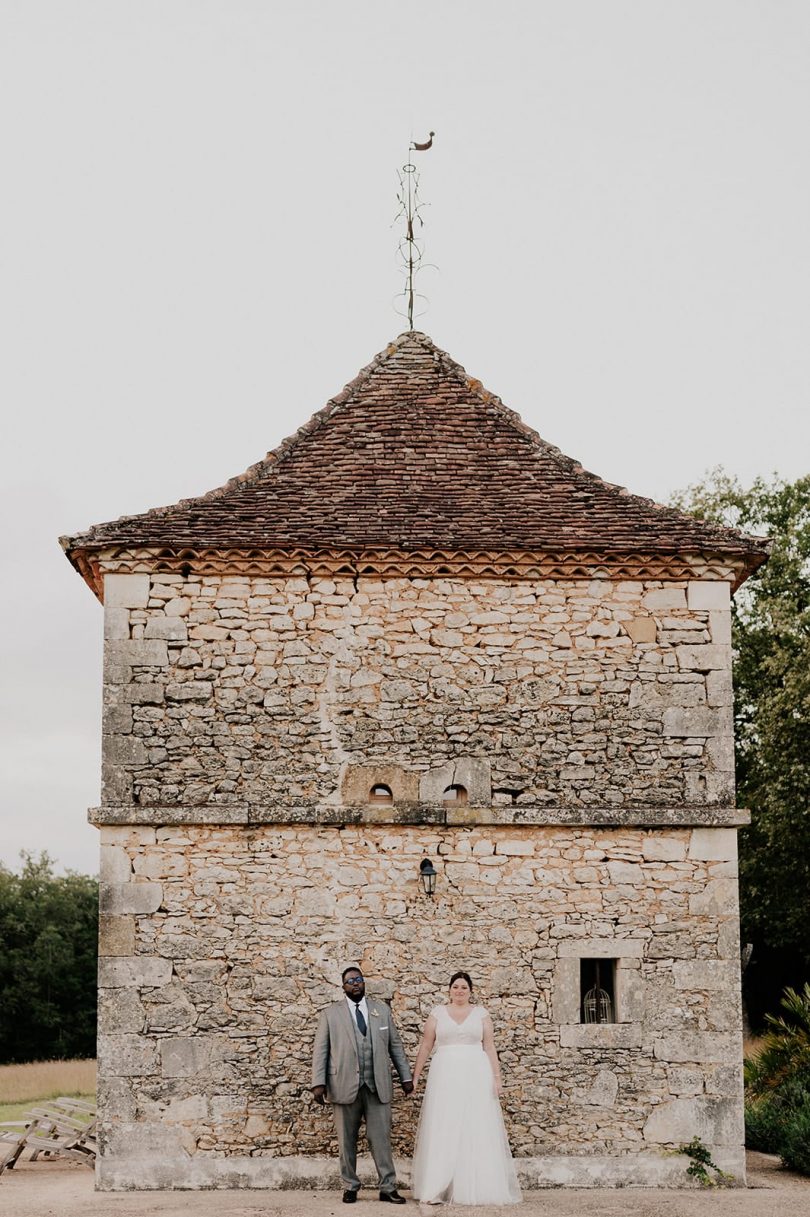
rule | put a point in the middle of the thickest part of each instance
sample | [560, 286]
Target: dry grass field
[752, 1044]
[22, 1085]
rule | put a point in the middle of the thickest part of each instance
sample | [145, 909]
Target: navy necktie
[361, 1022]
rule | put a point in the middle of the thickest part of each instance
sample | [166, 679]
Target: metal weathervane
[410, 250]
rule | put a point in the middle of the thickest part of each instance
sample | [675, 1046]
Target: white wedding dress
[462, 1154]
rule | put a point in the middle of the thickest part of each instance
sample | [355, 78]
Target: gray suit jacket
[334, 1059]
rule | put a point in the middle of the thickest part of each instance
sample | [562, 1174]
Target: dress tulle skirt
[462, 1154]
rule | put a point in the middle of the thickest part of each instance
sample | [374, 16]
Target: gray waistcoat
[365, 1055]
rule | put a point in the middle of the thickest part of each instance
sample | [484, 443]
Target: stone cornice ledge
[438, 814]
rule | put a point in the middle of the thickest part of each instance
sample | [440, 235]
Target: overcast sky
[197, 251]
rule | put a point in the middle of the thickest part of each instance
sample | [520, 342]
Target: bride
[462, 1154]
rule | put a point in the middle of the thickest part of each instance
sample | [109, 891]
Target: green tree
[771, 638]
[48, 951]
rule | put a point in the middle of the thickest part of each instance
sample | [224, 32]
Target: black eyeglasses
[354, 980]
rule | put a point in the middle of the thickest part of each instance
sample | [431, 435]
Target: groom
[353, 1042]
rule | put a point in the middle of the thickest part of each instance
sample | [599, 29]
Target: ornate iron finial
[411, 251]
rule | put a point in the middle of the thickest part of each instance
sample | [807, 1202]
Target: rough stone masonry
[547, 717]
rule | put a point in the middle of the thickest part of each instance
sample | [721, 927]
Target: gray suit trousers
[348, 1117]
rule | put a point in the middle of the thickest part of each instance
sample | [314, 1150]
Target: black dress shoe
[349, 1196]
[394, 1197]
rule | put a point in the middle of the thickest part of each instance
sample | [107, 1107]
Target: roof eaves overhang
[93, 560]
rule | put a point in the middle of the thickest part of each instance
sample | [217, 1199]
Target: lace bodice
[470, 1033]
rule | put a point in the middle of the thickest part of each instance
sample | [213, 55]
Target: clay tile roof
[415, 453]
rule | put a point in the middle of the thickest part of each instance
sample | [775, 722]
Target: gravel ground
[54, 1189]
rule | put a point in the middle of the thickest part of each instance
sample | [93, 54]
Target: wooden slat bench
[64, 1127]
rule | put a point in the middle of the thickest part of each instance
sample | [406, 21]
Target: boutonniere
[373, 1010]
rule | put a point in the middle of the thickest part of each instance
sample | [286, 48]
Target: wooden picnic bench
[64, 1127]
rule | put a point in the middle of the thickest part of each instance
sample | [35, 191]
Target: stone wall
[245, 722]
[220, 944]
[225, 691]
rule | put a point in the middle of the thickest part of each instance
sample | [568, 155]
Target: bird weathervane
[410, 250]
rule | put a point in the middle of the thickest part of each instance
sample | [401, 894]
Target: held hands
[319, 1094]
[408, 1087]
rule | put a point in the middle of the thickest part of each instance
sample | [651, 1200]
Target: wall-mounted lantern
[427, 873]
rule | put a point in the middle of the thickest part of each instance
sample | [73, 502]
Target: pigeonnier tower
[417, 631]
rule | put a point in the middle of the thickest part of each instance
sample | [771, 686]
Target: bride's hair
[460, 976]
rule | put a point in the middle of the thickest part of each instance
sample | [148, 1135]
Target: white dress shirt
[353, 1005]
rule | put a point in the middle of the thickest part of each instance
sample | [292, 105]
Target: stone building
[416, 631]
